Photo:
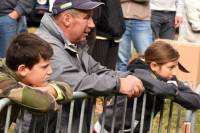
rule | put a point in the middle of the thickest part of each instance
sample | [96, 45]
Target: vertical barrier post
[103, 115]
[82, 116]
[93, 114]
[161, 119]
[143, 113]
[114, 114]
[187, 122]
[152, 114]
[124, 115]
[170, 116]
[133, 115]
[8, 119]
[59, 118]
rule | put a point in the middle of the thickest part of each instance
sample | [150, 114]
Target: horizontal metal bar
[4, 102]
[77, 95]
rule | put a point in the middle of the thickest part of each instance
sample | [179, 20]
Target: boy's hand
[64, 91]
[48, 89]
[61, 91]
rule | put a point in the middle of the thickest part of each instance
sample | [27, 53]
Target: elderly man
[69, 24]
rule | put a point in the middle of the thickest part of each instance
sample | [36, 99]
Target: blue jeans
[163, 24]
[8, 29]
[140, 34]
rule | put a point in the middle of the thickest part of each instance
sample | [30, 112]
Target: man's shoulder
[48, 37]
[44, 34]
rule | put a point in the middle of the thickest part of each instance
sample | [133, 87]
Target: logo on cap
[66, 5]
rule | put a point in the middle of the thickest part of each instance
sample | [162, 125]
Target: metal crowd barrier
[5, 102]
[189, 118]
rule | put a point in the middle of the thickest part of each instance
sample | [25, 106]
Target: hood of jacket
[137, 64]
[140, 64]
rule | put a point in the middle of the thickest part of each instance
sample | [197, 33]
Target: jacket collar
[4, 68]
[140, 64]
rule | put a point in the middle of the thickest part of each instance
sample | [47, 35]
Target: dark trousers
[105, 52]
[163, 24]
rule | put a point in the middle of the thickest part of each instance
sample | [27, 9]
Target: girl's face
[166, 71]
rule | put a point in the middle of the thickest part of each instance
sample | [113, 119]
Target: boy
[25, 73]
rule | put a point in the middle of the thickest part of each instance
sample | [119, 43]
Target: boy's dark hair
[27, 49]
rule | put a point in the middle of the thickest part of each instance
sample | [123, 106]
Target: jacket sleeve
[154, 86]
[192, 8]
[64, 91]
[92, 78]
[27, 96]
[187, 97]
[24, 7]
[179, 92]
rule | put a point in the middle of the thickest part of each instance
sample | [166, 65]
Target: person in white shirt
[190, 28]
[166, 16]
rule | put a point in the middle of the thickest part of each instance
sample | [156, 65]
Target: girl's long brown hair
[161, 52]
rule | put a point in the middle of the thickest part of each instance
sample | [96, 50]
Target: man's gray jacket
[73, 65]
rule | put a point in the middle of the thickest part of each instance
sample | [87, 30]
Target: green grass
[174, 117]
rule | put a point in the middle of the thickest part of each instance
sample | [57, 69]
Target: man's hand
[178, 21]
[131, 86]
[14, 15]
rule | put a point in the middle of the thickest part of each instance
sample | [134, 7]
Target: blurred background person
[12, 20]
[190, 28]
[166, 16]
[138, 30]
[109, 29]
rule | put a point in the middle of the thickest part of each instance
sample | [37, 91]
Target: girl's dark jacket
[154, 85]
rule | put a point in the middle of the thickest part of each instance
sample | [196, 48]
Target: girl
[156, 69]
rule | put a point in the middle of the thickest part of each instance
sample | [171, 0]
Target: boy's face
[38, 75]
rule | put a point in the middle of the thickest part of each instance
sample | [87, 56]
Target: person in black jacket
[109, 29]
[156, 69]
